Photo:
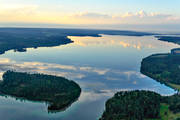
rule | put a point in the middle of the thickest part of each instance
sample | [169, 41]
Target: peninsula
[164, 68]
[142, 105]
[172, 39]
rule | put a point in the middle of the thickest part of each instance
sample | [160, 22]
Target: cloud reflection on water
[70, 71]
[101, 66]
[124, 41]
[117, 72]
[96, 80]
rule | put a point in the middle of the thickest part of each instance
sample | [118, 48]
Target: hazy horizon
[169, 28]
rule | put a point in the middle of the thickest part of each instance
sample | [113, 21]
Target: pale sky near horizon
[90, 11]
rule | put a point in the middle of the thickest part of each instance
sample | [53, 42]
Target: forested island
[142, 105]
[173, 39]
[164, 68]
[58, 92]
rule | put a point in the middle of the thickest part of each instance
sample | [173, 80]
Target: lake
[100, 65]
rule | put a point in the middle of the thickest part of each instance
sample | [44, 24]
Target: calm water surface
[101, 66]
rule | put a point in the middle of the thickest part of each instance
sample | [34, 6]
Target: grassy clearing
[174, 86]
[166, 114]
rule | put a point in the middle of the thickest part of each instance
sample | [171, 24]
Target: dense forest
[164, 68]
[173, 39]
[141, 105]
[58, 92]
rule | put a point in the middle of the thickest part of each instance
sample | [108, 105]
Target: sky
[91, 12]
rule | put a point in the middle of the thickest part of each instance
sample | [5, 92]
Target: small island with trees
[142, 105]
[57, 92]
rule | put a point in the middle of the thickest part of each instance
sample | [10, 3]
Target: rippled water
[101, 66]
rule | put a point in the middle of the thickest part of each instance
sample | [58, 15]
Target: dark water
[101, 66]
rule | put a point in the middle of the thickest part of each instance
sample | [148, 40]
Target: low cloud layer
[140, 17]
[33, 14]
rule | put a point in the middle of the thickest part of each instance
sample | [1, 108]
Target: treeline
[19, 42]
[138, 105]
[57, 91]
[173, 39]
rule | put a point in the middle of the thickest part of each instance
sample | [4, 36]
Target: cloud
[33, 13]
[43, 66]
[92, 15]
[18, 12]
[96, 70]
[143, 17]
[140, 17]
[18, 9]
[91, 96]
[143, 14]
[140, 14]
[114, 41]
